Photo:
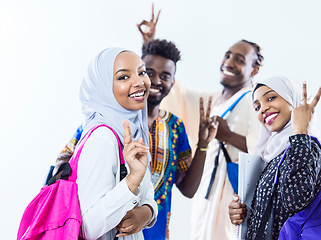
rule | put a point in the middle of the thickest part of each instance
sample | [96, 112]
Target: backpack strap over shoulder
[233, 170]
[74, 160]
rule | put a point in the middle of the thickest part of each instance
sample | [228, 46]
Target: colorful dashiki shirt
[171, 156]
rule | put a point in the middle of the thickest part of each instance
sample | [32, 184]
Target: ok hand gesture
[302, 114]
[208, 126]
[150, 27]
[135, 154]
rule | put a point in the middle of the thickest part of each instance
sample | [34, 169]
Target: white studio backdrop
[45, 47]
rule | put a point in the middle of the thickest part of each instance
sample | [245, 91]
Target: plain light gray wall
[45, 47]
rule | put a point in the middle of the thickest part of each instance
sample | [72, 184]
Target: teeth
[228, 73]
[153, 90]
[137, 94]
[270, 117]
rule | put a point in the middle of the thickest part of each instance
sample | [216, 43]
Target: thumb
[236, 198]
[141, 141]
[216, 123]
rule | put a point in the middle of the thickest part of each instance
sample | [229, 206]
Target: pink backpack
[55, 213]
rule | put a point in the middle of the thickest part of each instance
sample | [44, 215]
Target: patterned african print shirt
[171, 157]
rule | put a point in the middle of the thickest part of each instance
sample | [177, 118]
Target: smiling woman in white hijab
[114, 92]
[270, 144]
[288, 127]
[99, 103]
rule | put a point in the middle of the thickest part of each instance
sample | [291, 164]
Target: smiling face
[130, 82]
[161, 72]
[237, 66]
[271, 109]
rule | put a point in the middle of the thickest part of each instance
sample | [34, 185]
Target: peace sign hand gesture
[208, 126]
[150, 27]
[302, 114]
[135, 154]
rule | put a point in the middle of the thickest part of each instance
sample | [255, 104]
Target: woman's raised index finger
[209, 104]
[304, 93]
[127, 132]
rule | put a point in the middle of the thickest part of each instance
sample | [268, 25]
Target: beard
[154, 103]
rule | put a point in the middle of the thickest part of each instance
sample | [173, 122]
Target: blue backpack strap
[232, 170]
[213, 173]
[234, 104]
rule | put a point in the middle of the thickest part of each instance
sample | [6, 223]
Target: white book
[250, 169]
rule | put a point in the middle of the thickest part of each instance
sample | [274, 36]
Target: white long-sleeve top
[104, 200]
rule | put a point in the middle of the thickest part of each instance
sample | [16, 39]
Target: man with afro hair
[171, 154]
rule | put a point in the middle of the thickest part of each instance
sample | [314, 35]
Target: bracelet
[202, 149]
[130, 182]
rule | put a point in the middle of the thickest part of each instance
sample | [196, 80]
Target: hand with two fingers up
[150, 27]
[135, 154]
[208, 125]
[302, 114]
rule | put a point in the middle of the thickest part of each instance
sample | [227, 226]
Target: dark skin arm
[224, 134]
[134, 221]
[189, 184]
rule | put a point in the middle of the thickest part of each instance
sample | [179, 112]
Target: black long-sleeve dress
[299, 181]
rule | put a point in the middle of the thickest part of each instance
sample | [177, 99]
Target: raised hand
[208, 126]
[134, 221]
[302, 114]
[150, 27]
[237, 211]
[135, 154]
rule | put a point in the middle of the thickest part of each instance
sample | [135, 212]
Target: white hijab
[271, 144]
[99, 103]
